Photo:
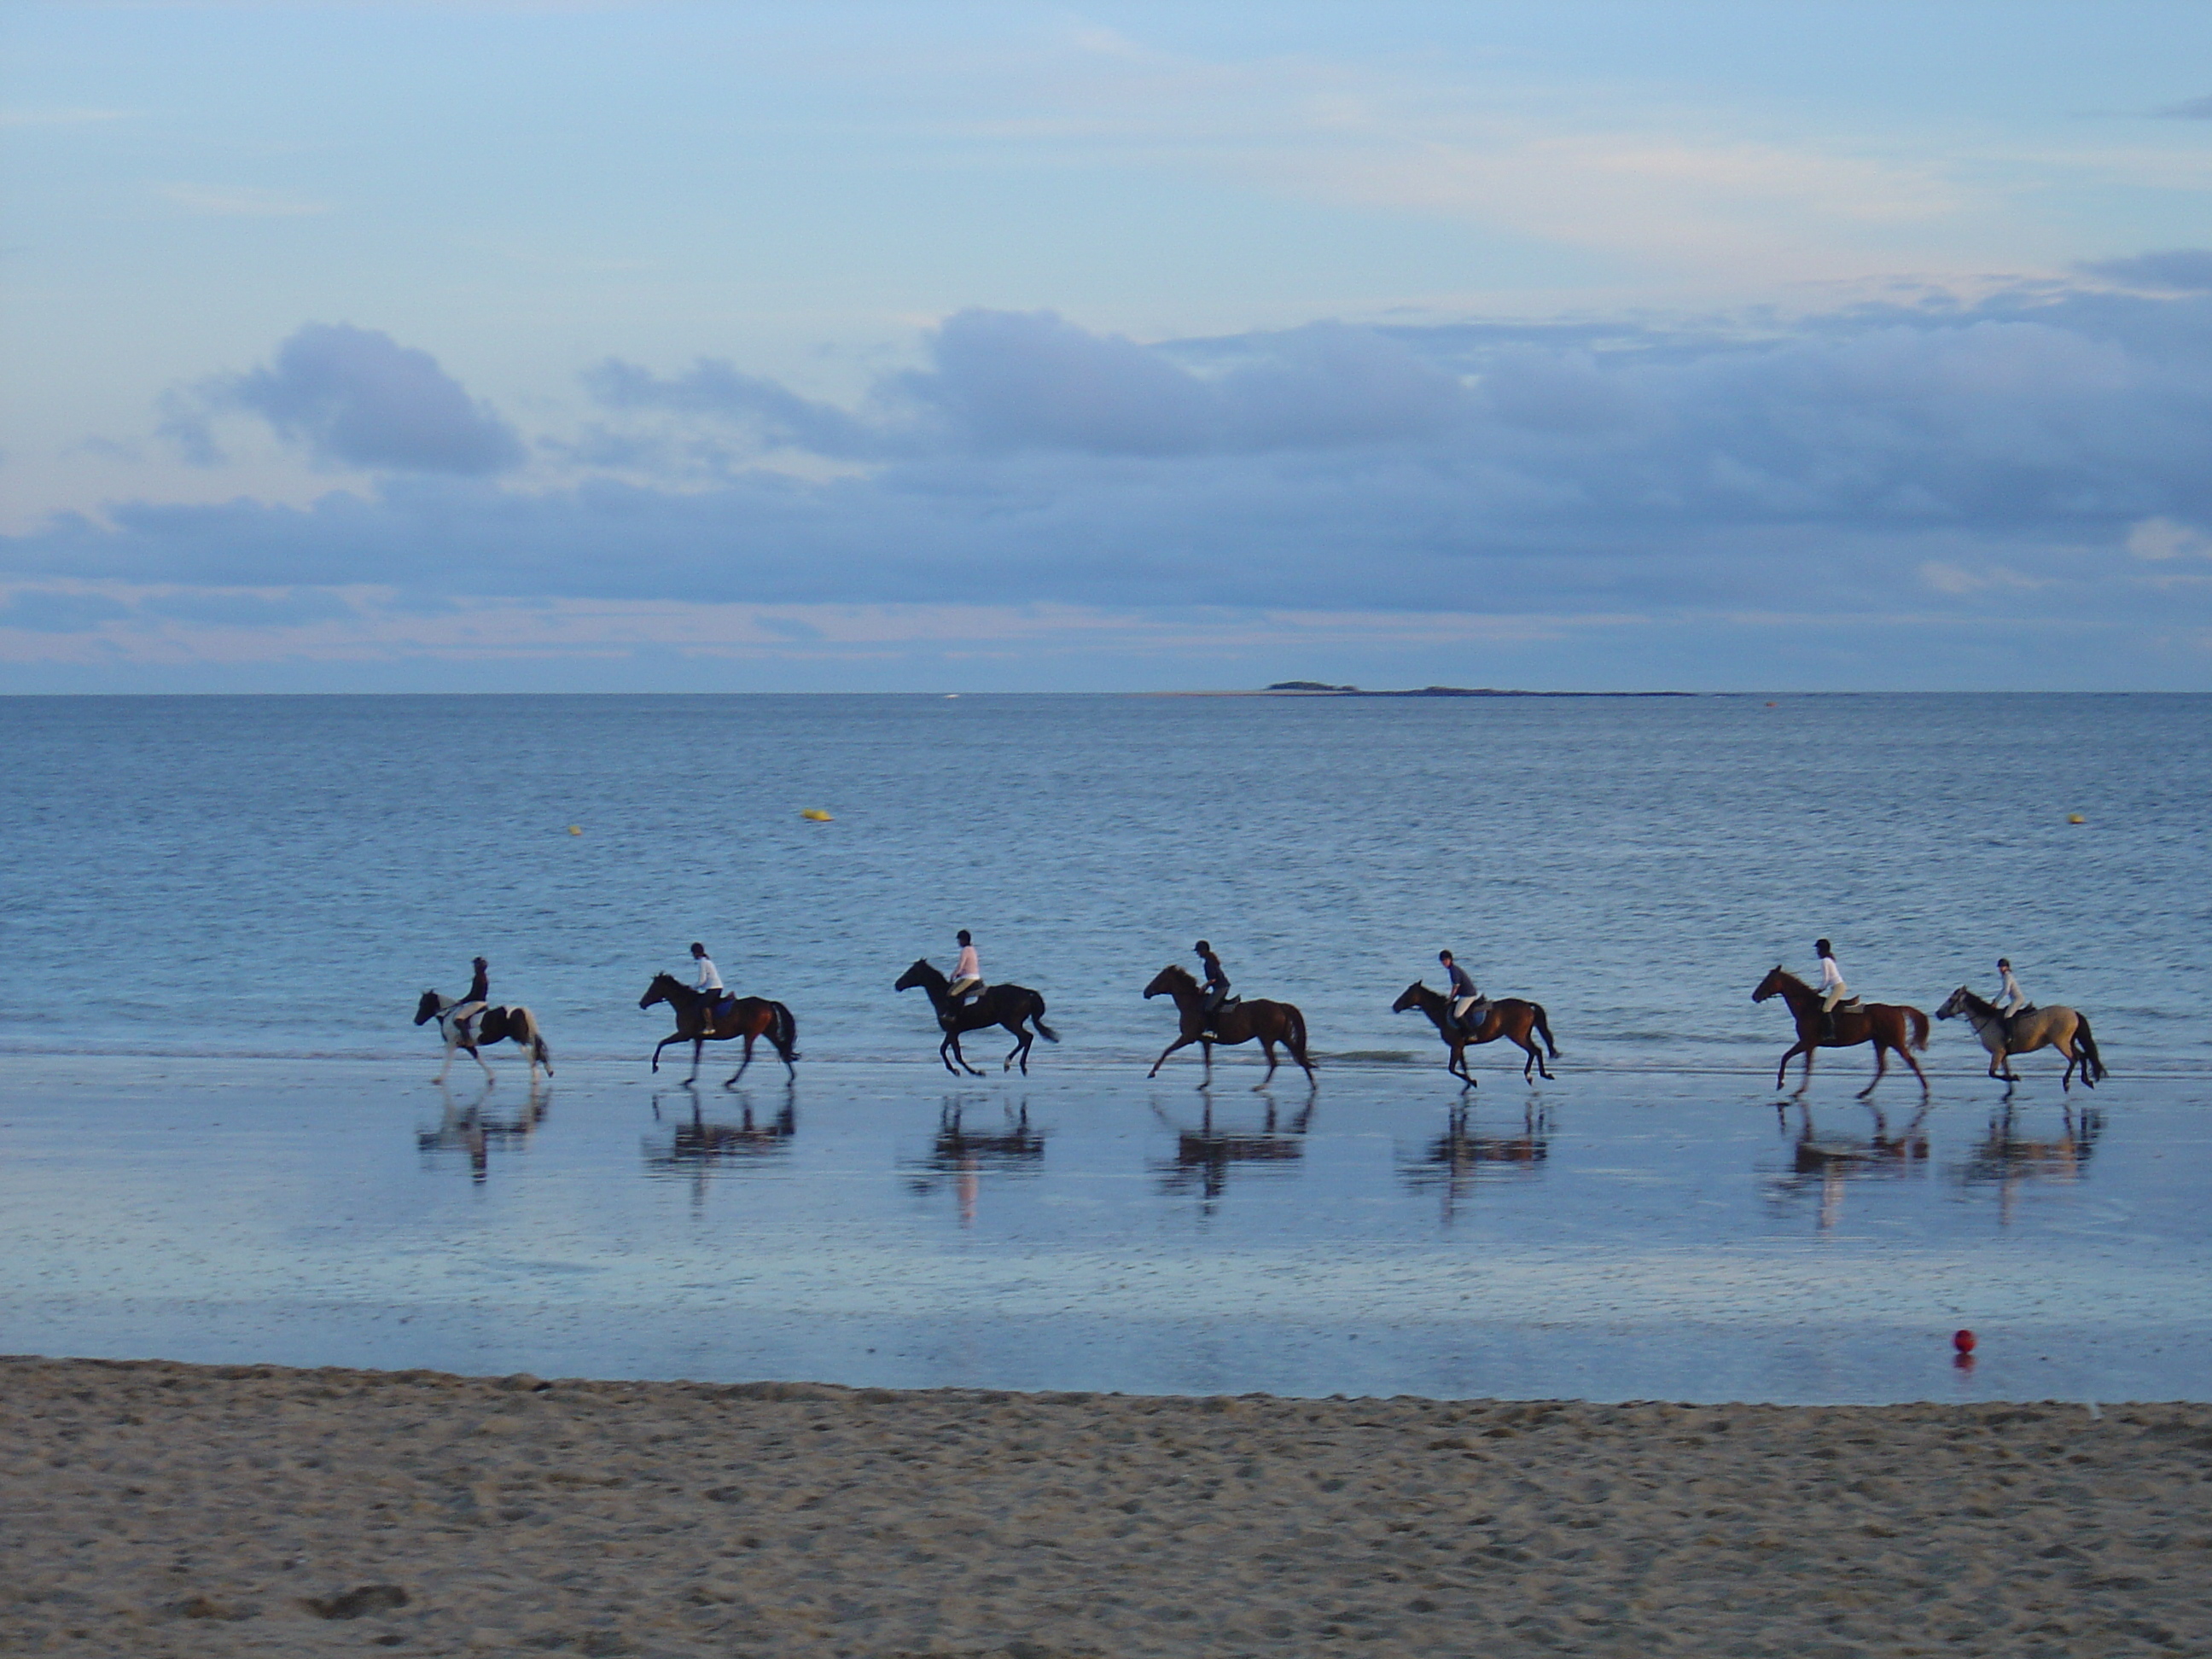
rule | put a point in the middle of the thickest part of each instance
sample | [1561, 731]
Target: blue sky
[838, 346]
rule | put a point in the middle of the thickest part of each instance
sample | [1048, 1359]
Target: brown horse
[1237, 1022]
[1886, 1025]
[2056, 1027]
[1510, 1018]
[749, 1017]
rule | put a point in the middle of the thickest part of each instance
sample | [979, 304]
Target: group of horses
[700, 1018]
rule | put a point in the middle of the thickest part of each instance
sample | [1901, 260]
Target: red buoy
[1963, 1341]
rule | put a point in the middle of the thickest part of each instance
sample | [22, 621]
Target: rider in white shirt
[706, 978]
[967, 973]
[2011, 1000]
[1832, 988]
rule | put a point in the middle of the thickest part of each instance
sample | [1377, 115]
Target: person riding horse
[1216, 982]
[707, 980]
[966, 974]
[2012, 1001]
[464, 1013]
[1468, 1005]
[1833, 991]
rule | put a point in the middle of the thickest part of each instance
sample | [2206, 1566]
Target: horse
[1884, 1024]
[2054, 1027]
[515, 1026]
[1000, 1005]
[749, 1017]
[1510, 1018]
[1233, 1023]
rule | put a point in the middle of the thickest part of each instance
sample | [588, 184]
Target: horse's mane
[1791, 977]
[1978, 1004]
[1180, 972]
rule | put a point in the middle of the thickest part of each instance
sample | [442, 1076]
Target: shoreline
[167, 1509]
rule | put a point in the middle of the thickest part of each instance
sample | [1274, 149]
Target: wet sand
[160, 1509]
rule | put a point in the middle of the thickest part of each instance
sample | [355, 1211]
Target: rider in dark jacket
[1216, 982]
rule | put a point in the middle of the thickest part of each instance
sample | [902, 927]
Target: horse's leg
[698, 1047]
[960, 1055]
[1020, 1050]
[750, 1037]
[1267, 1043]
[1782, 1070]
[1179, 1043]
[1206, 1047]
[945, 1053]
[1881, 1065]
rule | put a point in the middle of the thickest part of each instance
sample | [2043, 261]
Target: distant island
[1321, 688]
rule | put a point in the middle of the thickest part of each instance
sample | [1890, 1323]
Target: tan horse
[1510, 1018]
[1888, 1025]
[1238, 1022]
[2056, 1027]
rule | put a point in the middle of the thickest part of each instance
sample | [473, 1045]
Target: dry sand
[161, 1508]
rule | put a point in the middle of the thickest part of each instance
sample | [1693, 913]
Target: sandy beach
[157, 1509]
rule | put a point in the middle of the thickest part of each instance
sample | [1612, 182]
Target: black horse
[749, 1017]
[1000, 1005]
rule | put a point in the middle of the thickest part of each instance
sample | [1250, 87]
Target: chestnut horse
[2053, 1027]
[749, 1017]
[1510, 1018]
[1234, 1023]
[999, 1004]
[1888, 1025]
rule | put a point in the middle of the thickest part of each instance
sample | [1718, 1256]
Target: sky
[1008, 347]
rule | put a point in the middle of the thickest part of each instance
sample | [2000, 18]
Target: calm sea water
[269, 875]
[219, 1138]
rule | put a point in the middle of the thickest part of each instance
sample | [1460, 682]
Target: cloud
[41, 611]
[2189, 109]
[238, 202]
[2159, 539]
[2183, 268]
[356, 397]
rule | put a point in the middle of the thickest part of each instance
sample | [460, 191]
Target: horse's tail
[1296, 1035]
[1918, 1021]
[1036, 1018]
[786, 1031]
[1544, 1028]
[2093, 1063]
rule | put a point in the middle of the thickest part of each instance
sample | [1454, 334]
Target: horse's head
[658, 990]
[1953, 1004]
[1170, 979]
[920, 974]
[1412, 997]
[1771, 985]
[428, 1009]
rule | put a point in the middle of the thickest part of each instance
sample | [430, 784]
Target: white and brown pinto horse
[2056, 1027]
[516, 1025]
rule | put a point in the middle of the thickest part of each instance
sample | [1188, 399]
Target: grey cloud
[2189, 109]
[248, 610]
[2183, 268]
[357, 397]
[779, 416]
[44, 612]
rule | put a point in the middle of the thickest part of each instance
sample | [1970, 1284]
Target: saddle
[1477, 1012]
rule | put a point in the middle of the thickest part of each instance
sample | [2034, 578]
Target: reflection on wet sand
[1203, 1156]
[960, 1154]
[468, 1131]
[2008, 1160]
[1463, 1155]
[1824, 1163]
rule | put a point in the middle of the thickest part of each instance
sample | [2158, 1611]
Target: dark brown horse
[1888, 1025]
[1510, 1018]
[749, 1017]
[1237, 1022]
[1000, 1005]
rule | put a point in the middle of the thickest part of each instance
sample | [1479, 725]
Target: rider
[1459, 987]
[1216, 982]
[967, 973]
[1832, 988]
[2012, 1001]
[464, 1012]
[707, 980]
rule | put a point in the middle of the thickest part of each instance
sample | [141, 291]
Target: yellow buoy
[575, 829]
[816, 815]
[2075, 818]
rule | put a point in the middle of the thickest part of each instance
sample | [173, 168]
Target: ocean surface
[286, 875]
[220, 1139]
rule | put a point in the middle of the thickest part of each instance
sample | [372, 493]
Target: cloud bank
[1934, 472]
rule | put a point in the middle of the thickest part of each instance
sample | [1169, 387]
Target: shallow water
[1606, 1237]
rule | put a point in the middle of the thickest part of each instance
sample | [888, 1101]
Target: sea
[220, 1137]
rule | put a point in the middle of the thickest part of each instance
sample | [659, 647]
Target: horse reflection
[468, 1131]
[1826, 1164]
[698, 1141]
[1462, 1156]
[960, 1155]
[2008, 1160]
[1203, 1157]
